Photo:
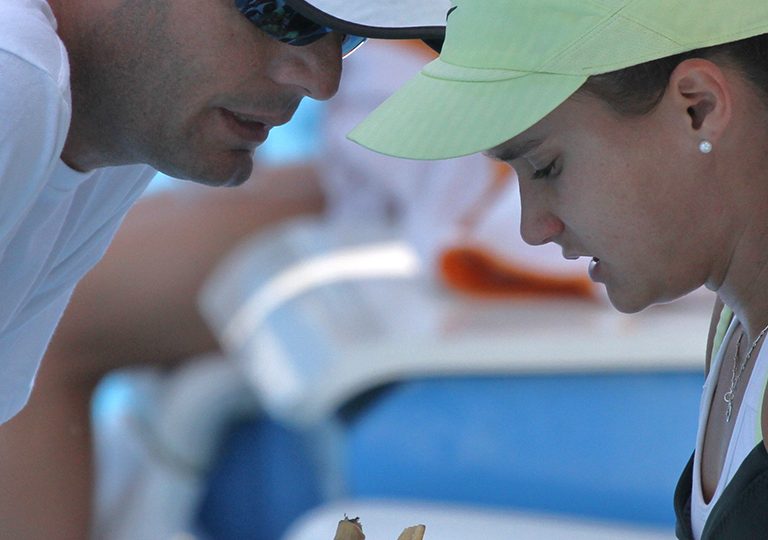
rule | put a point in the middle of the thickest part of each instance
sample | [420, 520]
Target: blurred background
[383, 345]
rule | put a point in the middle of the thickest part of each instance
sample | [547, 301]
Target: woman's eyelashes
[545, 172]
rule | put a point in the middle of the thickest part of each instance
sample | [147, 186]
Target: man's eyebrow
[510, 152]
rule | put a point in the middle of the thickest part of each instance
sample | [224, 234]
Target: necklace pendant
[728, 398]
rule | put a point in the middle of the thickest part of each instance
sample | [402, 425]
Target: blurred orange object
[475, 270]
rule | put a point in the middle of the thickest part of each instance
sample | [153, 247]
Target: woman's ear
[701, 92]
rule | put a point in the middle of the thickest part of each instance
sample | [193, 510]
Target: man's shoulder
[35, 102]
[28, 33]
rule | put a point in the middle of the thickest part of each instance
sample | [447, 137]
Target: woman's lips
[594, 269]
[246, 127]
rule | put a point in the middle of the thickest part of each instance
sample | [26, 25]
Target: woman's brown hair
[637, 90]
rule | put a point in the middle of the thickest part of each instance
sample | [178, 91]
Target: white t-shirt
[55, 223]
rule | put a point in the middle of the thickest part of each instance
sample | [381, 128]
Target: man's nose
[314, 68]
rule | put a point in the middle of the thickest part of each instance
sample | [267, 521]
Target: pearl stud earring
[705, 147]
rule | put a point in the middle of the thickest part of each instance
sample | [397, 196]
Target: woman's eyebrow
[509, 152]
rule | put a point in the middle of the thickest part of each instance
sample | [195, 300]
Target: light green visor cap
[506, 64]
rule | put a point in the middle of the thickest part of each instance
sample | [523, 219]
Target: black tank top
[741, 513]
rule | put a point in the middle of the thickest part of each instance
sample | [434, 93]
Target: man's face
[627, 192]
[191, 86]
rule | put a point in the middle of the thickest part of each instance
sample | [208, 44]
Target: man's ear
[700, 89]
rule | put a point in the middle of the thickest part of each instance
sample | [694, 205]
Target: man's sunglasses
[285, 24]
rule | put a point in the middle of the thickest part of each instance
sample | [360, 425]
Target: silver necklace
[738, 369]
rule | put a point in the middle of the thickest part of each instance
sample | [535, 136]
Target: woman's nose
[315, 68]
[538, 225]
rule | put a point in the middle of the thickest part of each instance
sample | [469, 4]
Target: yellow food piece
[349, 529]
[413, 533]
[352, 529]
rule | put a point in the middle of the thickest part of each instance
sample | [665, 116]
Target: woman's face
[633, 193]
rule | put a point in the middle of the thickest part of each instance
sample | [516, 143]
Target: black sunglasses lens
[281, 22]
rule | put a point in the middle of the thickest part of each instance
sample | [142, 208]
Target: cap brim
[387, 19]
[437, 118]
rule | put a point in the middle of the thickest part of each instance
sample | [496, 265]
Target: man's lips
[251, 128]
